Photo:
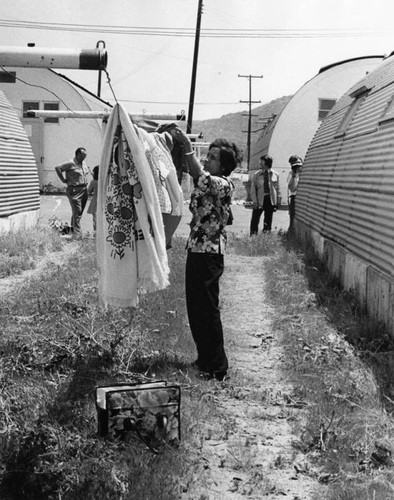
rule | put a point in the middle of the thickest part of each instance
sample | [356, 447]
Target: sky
[285, 42]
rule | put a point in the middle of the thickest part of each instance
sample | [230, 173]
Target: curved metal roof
[329, 66]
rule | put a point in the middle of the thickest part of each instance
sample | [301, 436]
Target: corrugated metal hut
[291, 131]
[54, 140]
[345, 202]
[19, 190]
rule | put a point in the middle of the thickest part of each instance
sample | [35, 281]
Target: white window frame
[34, 109]
[388, 113]
[359, 97]
[53, 120]
[324, 110]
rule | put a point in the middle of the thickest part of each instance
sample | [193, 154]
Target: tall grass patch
[262, 244]
[58, 344]
[346, 425]
[22, 248]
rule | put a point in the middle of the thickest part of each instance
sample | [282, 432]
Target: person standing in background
[74, 174]
[92, 191]
[265, 192]
[296, 164]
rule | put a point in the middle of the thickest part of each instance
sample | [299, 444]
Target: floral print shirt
[210, 206]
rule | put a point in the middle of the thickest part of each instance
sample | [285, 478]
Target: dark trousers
[78, 197]
[291, 211]
[268, 210]
[203, 271]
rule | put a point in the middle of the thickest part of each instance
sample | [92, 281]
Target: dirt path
[248, 452]
[246, 449]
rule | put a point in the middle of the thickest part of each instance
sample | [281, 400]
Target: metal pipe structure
[38, 57]
[99, 44]
[33, 113]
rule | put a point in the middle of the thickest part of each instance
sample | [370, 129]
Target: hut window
[388, 113]
[325, 106]
[358, 99]
[29, 105]
[51, 106]
[7, 77]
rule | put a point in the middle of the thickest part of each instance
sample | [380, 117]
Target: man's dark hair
[96, 173]
[230, 155]
[267, 160]
[79, 150]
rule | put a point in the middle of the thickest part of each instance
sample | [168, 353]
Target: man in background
[74, 174]
[296, 164]
[265, 192]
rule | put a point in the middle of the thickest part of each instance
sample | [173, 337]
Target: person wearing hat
[296, 164]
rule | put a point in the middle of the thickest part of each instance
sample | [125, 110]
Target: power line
[190, 32]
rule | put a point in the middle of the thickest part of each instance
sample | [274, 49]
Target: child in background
[92, 191]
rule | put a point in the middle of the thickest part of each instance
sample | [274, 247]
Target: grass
[347, 423]
[58, 344]
[21, 250]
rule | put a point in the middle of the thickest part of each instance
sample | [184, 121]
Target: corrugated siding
[19, 188]
[346, 191]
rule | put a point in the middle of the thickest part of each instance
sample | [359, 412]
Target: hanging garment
[165, 176]
[130, 236]
[177, 150]
[173, 186]
[159, 166]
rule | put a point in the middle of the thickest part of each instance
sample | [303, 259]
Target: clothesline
[100, 114]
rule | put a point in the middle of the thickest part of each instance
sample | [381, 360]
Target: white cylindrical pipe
[37, 57]
[36, 113]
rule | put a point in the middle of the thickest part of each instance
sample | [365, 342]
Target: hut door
[34, 130]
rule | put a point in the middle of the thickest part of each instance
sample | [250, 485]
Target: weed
[21, 249]
[58, 344]
[344, 418]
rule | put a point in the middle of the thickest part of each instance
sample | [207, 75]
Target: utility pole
[194, 70]
[250, 102]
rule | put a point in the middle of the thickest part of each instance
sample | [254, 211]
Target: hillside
[232, 125]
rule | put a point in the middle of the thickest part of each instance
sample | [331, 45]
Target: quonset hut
[292, 130]
[19, 190]
[54, 140]
[345, 201]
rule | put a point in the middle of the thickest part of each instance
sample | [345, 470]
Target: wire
[190, 32]
[40, 87]
[110, 86]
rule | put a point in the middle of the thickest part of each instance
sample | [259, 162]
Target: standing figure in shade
[75, 176]
[296, 164]
[264, 191]
[92, 191]
[210, 207]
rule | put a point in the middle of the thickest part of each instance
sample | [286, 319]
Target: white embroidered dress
[131, 248]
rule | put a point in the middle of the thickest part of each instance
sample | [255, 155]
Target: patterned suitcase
[149, 410]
